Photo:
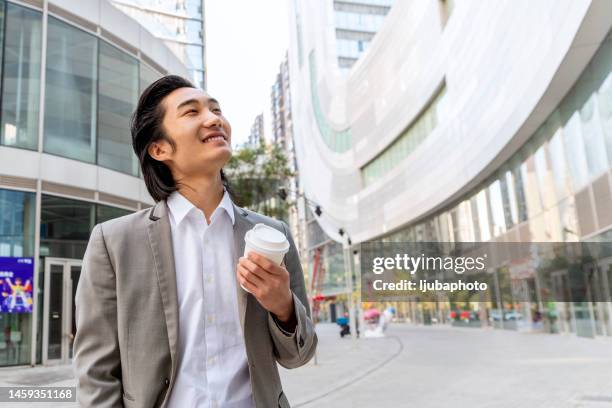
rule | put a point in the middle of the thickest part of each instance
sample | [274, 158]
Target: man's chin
[220, 157]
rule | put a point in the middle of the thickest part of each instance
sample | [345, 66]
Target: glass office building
[455, 129]
[180, 24]
[70, 79]
[356, 23]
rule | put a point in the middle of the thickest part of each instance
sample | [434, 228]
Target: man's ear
[159, 150]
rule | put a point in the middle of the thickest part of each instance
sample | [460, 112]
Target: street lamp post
[346, 249]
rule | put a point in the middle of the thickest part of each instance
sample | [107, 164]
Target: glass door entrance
[61, 278]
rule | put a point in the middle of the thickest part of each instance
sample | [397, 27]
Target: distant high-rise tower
[257, 131]
[179, 23]
[282, 133]
[356, 23]
[280, 97]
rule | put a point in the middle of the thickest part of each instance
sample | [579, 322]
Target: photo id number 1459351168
[37, 394]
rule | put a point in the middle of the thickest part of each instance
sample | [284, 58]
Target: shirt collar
[179, 206]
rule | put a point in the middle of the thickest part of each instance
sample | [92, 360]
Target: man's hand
[269, 283]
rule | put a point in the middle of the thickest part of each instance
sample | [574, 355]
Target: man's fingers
[255, 268]
[249, 287]
[247, 277]
[264, 263]
[251, 276]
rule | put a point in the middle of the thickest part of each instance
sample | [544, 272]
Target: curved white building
[434, 110]
[463, 121]
[71, 74]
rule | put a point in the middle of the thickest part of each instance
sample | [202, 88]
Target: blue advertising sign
[16, 281]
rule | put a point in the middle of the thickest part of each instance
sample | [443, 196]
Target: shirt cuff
[277, 323]
[285, 332]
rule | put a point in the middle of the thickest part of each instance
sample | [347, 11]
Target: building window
[416, 132]
[195, 55]
[17, 221]
[66, 225]
[118, 94]
[70, 96]
[105, 213]
[337, 141]
[147, 77]
[21, 77]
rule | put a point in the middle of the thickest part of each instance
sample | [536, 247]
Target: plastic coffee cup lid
[267, 238]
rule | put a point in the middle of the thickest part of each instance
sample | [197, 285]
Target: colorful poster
[16, 281]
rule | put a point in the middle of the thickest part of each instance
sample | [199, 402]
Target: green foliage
[255, 175]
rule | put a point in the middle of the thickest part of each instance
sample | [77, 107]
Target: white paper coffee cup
[267, 242]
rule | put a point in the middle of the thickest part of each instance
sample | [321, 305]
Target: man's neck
[204, 192]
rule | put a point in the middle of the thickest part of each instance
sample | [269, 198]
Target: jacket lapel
[241, 225]
[160, 238]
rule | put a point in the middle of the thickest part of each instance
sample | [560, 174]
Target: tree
[255, 175]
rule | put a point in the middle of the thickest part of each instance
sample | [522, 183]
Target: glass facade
[337, 141]
[556, 188]
[17, 227]
[70, 126]
[91, 89]
[118, 90]
[17, 223]
[147, 77]
[65, 228]
[356, 23]
[179, 23]
[568, 153]
[66, 224]
[327, 257]
[98, 86]
[407, 141]
[21, 76]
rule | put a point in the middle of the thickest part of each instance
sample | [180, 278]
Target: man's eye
[217, 110]
[191, 111]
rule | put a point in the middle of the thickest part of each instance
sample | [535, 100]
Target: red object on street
[371, 314]
[317, 279]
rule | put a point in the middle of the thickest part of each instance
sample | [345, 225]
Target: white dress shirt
[212, 364]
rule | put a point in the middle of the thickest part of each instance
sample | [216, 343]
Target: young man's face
[202, 135]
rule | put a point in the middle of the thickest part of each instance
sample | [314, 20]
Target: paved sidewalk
[427, 367]
[340, 364]
[54, 376]
[441, 366]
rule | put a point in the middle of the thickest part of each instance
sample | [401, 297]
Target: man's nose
[210, 119]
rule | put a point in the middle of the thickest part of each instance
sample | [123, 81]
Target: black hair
[146, 128]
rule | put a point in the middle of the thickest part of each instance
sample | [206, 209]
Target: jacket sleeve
[96, 348]
[294, 349]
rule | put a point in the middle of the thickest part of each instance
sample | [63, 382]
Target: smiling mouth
[214, 138]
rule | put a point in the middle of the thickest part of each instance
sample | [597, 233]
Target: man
[162, 320]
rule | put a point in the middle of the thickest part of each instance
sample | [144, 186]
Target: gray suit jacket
[125, 348]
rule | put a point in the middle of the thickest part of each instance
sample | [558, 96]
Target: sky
[246, 41]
